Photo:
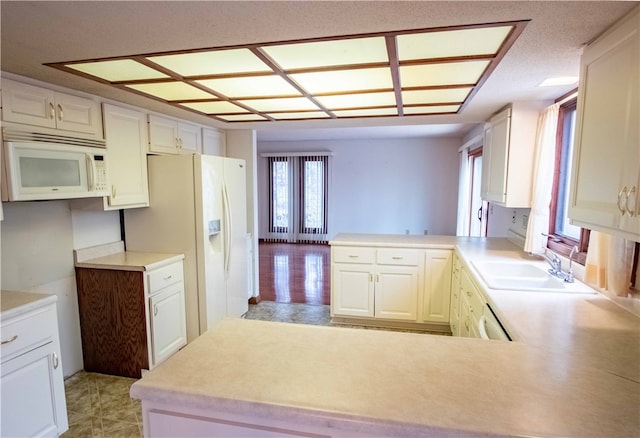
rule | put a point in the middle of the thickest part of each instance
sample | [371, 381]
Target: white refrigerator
[198, 208]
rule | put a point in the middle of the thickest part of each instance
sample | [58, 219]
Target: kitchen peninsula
[574, 370]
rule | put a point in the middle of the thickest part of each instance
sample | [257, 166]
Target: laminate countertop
[574, 369]
[14, 303]
[130, 261]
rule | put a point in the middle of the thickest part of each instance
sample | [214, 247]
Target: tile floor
[99, 406]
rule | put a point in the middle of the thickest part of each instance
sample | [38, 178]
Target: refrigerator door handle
[228, 229]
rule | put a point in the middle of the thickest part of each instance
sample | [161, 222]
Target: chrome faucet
[569, 276]
[556, 266]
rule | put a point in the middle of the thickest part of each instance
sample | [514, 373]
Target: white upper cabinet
[126, 136]
[508, 152]
[214, 142]
[606, 162]
[37, 106]
[170, 136]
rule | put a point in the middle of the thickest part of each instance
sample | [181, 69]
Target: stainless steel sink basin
[522, 276]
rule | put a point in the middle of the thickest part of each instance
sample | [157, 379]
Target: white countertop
[14, 303]
[575, 370]
[131, 261]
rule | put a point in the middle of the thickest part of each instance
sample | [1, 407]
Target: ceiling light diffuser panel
[416, 72]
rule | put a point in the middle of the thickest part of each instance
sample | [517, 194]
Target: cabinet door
[606, 159]
[126, 136]
[437, 285]
[396, 293]
[352, 292]
[22, 103]
[168, 325]
[77, 114]
[213, 142]
[456, 299]
[32, 391]
[496, 184]
[190, 138]
[163, 135]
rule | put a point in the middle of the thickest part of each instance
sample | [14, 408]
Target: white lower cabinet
[352, 290]
[168, 325]
[386, 283]
[396, 292]
[471, 306]
[31, 382]
[437, 285]
[454, 309]
[375, 283]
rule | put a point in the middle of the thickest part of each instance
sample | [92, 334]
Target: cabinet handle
[178, 143]
[626, 204]
[13, 338]
[56, 361]
[396, 258]
[625, 192]
[155, 309]
[168, 277]
[60, 113]
[370, 278]
[351, 256]
[52, 110]
[377, 278]
[113, 191]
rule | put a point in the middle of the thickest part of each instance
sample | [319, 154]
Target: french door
[478, 211]
[298, 197]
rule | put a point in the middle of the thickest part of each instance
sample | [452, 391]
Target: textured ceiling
[34, 33]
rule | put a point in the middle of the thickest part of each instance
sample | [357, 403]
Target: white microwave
[42, 170]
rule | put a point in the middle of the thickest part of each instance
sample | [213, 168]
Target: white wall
[382, 186]
[502, 220]
[38, 239]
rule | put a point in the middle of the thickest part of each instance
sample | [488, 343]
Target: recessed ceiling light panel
[449, 73]
[329, 53]
[171, 91]
[118, 70]
[251, 86]
[452, 43]
[382, 74]
[216, 62]
[345, 80]
[215, 107]
[361, 100]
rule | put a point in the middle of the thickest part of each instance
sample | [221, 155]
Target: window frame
[556, 242]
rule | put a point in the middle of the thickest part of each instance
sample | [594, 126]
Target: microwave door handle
[90, 173]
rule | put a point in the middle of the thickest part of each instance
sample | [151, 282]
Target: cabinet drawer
[472, 297]
[163, 277]
[28, 331]
[352, 254]
[399, 256]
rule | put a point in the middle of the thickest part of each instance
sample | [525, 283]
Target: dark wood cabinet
[113, 321]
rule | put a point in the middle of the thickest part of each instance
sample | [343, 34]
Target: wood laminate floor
[295, 273]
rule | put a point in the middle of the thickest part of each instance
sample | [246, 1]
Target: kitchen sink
[519, 276]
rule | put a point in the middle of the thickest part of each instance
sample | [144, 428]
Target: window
[298, 196]
[563, 236]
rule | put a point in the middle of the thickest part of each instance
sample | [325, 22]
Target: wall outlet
[406, 231]
[426, 232]
[525, 221]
